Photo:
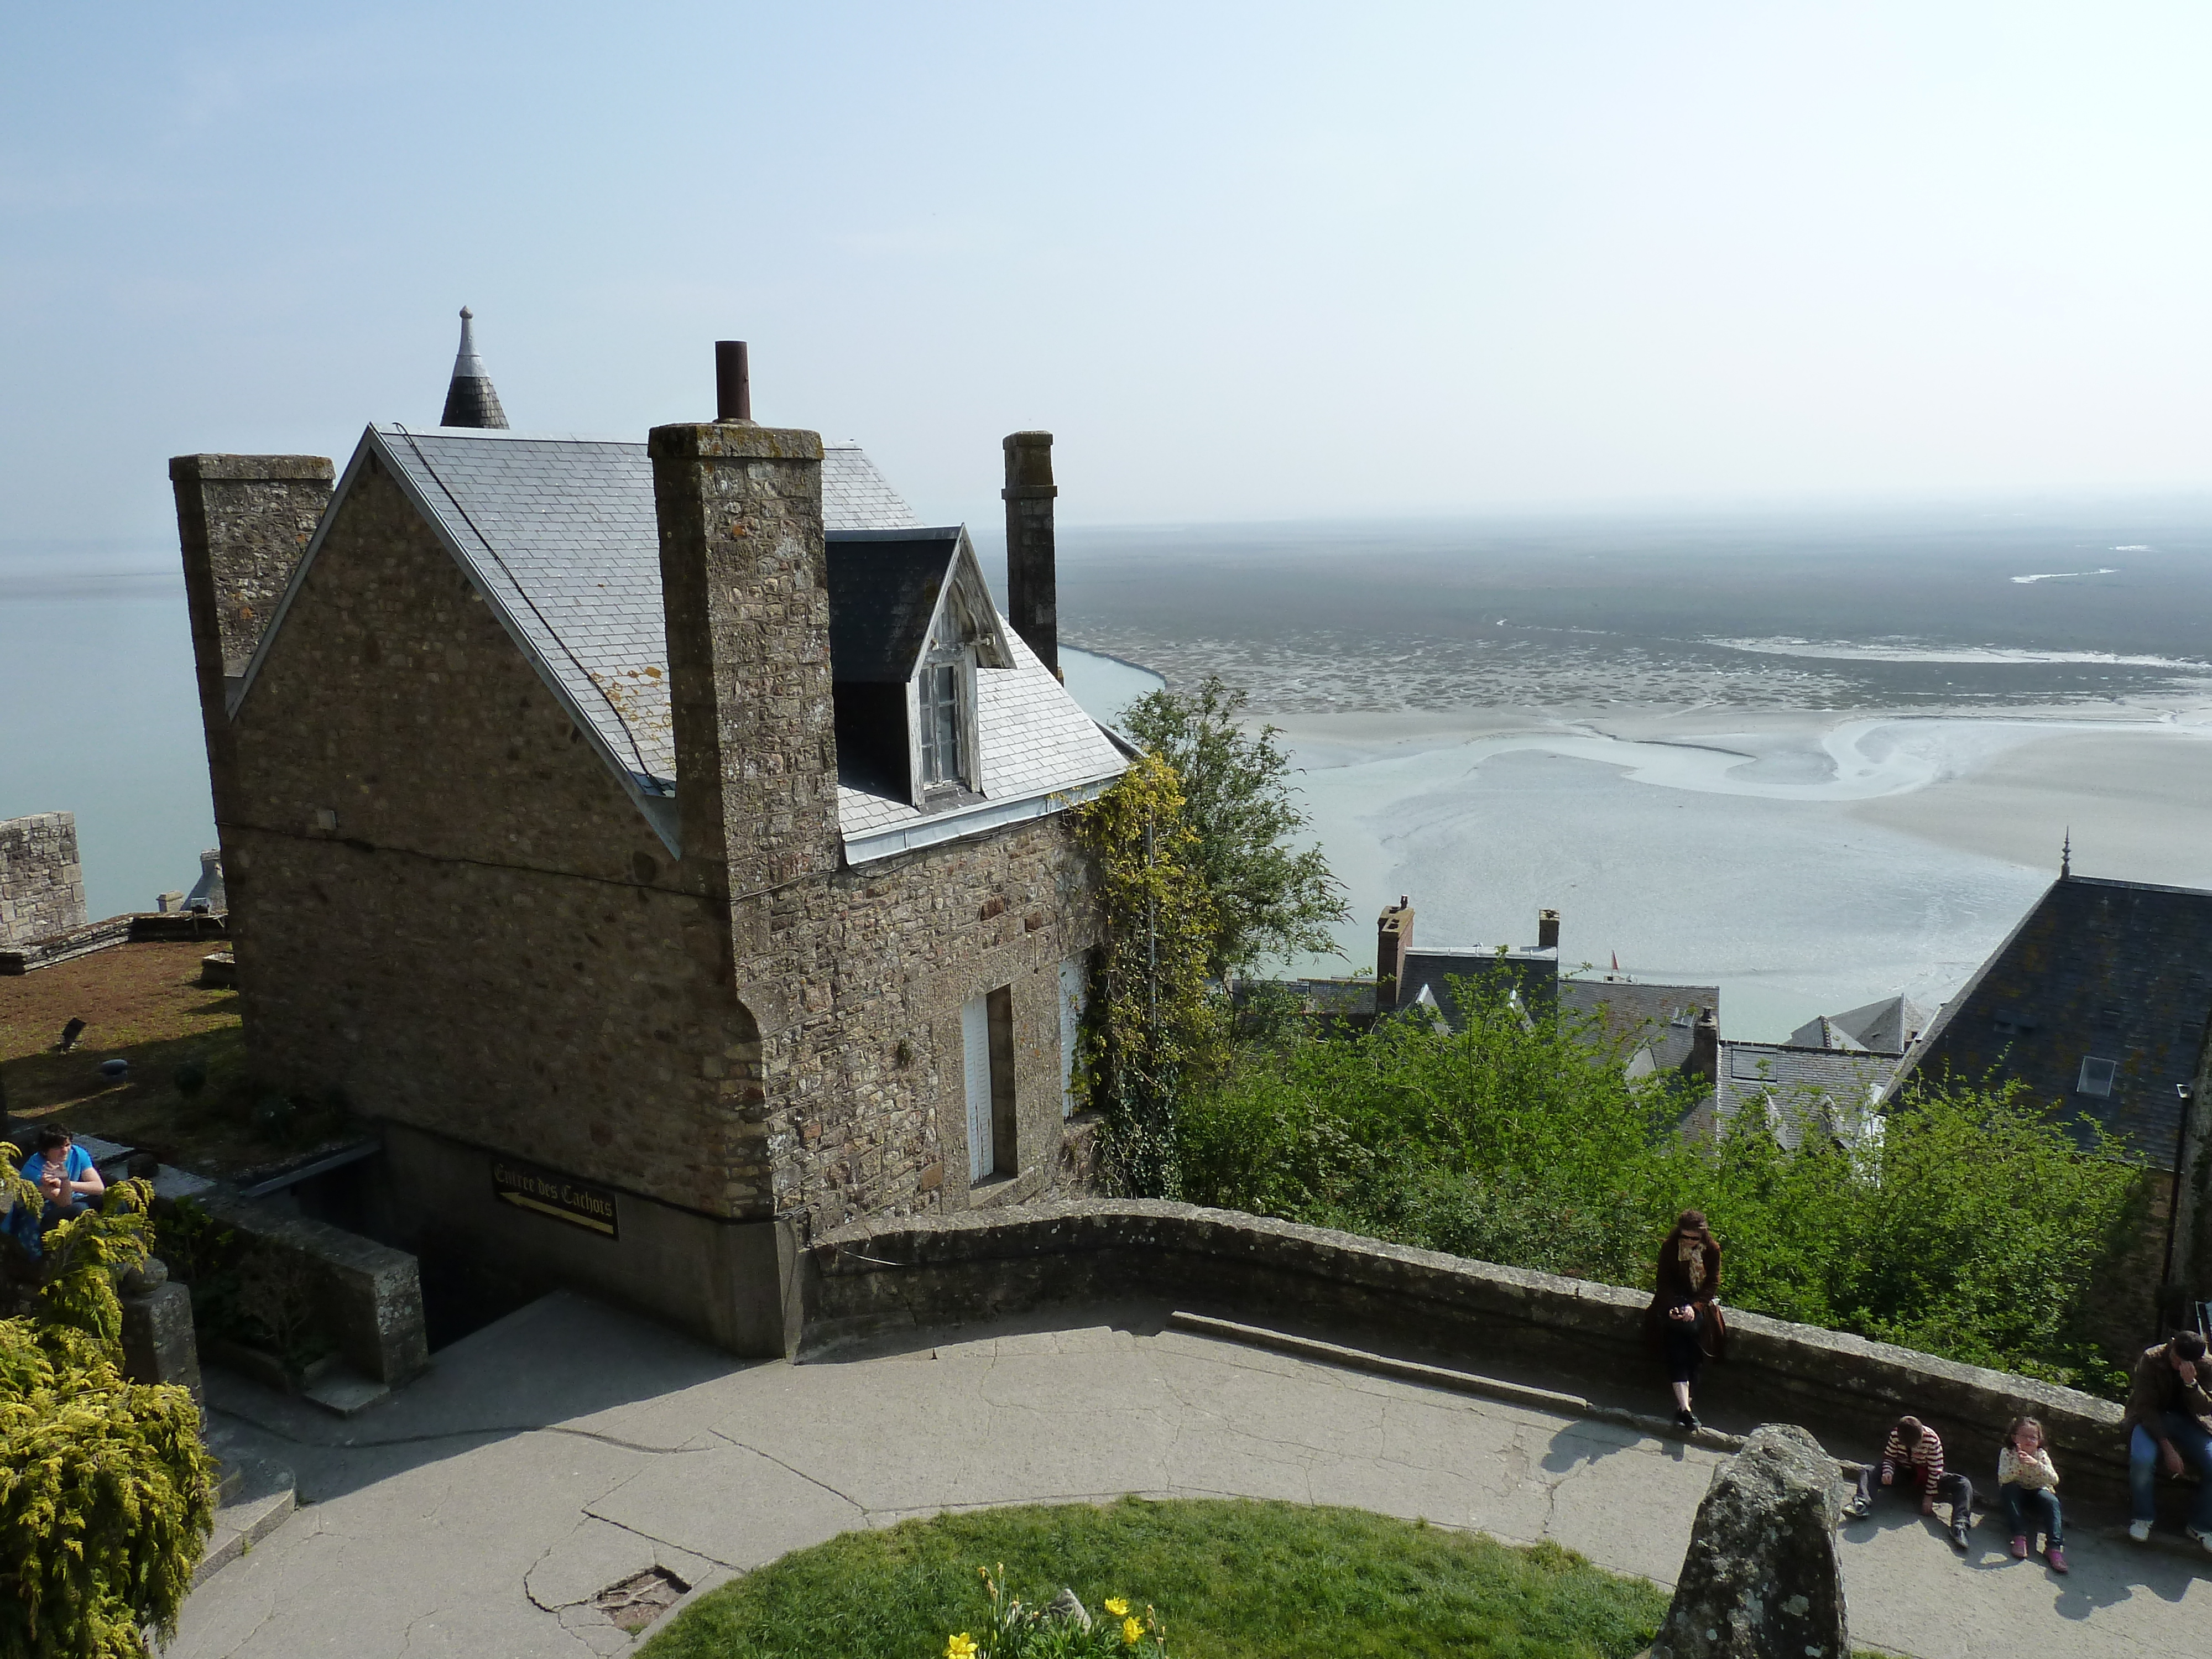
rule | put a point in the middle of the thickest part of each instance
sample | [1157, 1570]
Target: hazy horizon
[1249, 262]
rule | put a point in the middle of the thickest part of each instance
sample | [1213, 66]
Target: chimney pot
[734, 387]
[1547, 929]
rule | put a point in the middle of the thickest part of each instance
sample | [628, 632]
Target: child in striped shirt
[1912, 1461]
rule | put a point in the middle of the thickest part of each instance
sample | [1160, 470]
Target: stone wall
[889, 1277]
[41, 881]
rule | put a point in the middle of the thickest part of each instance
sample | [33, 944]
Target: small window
[2097, 1076]
[941, 724]
[987, 1044]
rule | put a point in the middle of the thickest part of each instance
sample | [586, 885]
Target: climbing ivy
[107, 1494]
[1154, 1027]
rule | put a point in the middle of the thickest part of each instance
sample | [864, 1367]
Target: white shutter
[975, 1060]
[1074, 987]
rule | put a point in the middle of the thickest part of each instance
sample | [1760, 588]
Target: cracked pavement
[567, 1448]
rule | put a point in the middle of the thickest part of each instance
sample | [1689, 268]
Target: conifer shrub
[106, 1494]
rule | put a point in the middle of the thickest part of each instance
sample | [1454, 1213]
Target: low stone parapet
[871, 1278]
[371, 1294]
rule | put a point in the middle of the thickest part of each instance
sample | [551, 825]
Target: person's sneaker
[2057, 1557]
[1959, 1537]
[2200, 1534]
[2018, 1547]
[2140, 1531]
[1857, 1509]
[1687, 1422]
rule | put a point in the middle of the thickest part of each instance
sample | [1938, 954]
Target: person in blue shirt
[63, 1171]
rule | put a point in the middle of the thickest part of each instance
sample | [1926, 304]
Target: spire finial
[470, 400]
[2066, 854]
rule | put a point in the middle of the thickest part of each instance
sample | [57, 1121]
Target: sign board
[544, 1192]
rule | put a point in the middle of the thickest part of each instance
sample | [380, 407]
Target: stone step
[343, 1393]
[257, 1497]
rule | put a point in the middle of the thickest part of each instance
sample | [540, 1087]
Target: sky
[1247, 262]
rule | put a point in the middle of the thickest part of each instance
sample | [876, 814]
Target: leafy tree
[1522, 1142]
[1269, 898]
[107, 1495]
[1152, 1028]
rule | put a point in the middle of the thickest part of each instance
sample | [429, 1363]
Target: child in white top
[2028, 1485]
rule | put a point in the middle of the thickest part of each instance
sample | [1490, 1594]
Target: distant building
[2099, 1003]
[1833, 1093]
[665, 844]
[41, 878]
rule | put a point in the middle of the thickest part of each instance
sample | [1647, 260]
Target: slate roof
[1632, 1015]
[1534, 974]
[1801, 1091]
[2120, 970]
[561, 534]
[1886, 1027]
[855, 497]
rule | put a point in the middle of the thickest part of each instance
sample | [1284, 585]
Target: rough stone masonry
[41, 881]
[1762, 1579]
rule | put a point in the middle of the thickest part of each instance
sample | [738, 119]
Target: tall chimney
[1032, 585]
[1393, 937]
[1547, 929]
[733, 382]
[1705, 1059]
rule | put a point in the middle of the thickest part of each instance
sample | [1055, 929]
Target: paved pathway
[570, 1446]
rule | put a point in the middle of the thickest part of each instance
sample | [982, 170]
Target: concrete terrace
[570, 1446]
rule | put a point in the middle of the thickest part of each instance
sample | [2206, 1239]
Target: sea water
[1810, 759]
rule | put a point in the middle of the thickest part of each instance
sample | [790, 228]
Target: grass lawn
[142, 1003]
[1226, 1577]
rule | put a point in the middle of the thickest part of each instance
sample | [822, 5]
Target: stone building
[2099, 1004]
[665, 844]
[42, 878]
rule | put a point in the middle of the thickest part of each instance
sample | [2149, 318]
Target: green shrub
[107, 1495]
[1968, 1228]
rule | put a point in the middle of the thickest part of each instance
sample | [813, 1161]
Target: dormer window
[941, 724]
[911, 625]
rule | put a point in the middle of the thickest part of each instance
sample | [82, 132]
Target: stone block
[371, 1293]
[1762, 1579]
[158, 1342]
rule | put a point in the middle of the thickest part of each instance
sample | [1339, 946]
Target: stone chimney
[243, 522]
[1394, 938]
[1032, 583]
[470, 399]
[1704, 1059]
[745, 586]
[1547, 929]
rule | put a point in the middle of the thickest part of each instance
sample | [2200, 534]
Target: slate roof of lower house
[1631, 1014]
[560, 533]
[1832, 1091]
[2117, 970]
[1534, 974]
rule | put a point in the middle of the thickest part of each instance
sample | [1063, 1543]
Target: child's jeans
[2031, 1510]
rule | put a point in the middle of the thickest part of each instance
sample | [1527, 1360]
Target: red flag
[1616, 962]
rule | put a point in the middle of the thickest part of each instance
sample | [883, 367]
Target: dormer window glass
[941, 725]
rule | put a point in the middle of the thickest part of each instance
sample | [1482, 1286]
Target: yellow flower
[959, 1647]
[1131, 1632]
[1118, 1606]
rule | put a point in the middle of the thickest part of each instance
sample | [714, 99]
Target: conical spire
[470, 401]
